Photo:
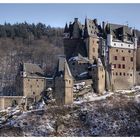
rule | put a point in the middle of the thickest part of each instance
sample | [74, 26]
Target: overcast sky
[57, 15]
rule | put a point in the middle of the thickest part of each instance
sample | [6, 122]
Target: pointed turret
[85, 29]
[66, 30]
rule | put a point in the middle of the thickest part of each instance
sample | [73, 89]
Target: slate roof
[63, 67]
[67, 69]
[61, 63]
[118, 31]
[33, 70]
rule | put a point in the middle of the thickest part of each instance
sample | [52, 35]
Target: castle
[102, 56]
[113, 46]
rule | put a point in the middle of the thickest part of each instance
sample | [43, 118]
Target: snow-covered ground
[108, 115]
[90, 97]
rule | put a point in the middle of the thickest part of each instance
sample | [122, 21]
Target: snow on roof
[79, 58]
[100, 62]
[83, 73]
[93, 65]
[73, 59]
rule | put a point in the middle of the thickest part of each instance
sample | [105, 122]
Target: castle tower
[73, 40]
[91, 39]
[121, 56]
[63, 83]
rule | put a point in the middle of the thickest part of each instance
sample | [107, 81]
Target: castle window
[131, 59]
[116, 73]
[115, 57]
[128, 45]
[38, 86]
[37, 80]
[101, 69]
[123, 58]
[114, 44]
[130, 74]
[116, 50]
[121, 44]
[102, 76]
[120, 73]
[73, 63]
[123, 66]
[122, 50]
[97, 42]
[114, 65]
[129, 51]
[28, 79]
[69, 81]
[91, 32]
[124, 73]
[119, 65]
[127, 74]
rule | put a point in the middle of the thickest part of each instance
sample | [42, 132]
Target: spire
[86, 21]
[85, 29]
[66, 28]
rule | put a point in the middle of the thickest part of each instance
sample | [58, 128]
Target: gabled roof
[32, 69]
[63, 67]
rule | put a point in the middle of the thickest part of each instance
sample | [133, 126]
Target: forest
[24, 42]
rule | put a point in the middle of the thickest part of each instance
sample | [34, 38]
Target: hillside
[23, 42]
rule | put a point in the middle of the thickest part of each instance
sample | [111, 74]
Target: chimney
[103, 25]
[75, 19]
[95, 21]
